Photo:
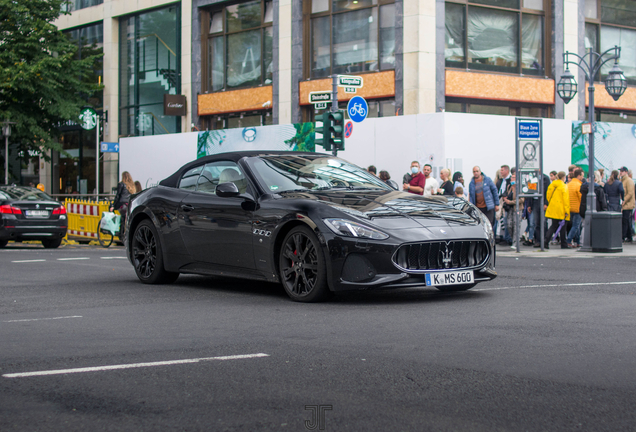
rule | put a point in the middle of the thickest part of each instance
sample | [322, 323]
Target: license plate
[449, 278]
[37, 213]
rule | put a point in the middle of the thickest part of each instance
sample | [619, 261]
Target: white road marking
[130, 366]
[558, 285]
[43, 319]
[115, 257]
[29, 261]
[73, 259]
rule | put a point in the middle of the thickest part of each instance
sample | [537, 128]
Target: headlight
[349, 228]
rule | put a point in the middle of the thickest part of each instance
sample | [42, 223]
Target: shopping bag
[110, 222]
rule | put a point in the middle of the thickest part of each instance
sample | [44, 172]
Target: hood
[394, 209]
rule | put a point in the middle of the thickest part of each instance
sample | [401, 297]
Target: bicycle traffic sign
[357, 109]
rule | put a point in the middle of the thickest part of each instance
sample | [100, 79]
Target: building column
[419, 56]
[111, 98]
[285, 82]
[186, 62]
[571, 44]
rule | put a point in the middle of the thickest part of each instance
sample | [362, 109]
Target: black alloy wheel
[147, 256]
[302, 266]
[52, 244]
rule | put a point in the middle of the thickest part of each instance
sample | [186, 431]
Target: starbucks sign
[88, 118]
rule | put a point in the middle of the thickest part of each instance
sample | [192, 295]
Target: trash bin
[607, 231]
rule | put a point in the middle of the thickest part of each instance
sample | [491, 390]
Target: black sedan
[313, 222]
[27, 213]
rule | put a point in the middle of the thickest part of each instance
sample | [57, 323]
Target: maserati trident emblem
[447, 257]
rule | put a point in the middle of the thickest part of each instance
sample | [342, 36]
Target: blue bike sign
[357, 109]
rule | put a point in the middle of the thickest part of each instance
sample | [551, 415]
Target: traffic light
[336, 129]
[322, 135]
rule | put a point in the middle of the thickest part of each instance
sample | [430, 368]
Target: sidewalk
[555, 251]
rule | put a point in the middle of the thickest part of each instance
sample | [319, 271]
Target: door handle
[186, 207]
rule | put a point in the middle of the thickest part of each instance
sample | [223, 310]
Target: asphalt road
[548, 346]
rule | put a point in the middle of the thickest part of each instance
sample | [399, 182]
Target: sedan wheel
[52, 244]
[302, 266]
[147, 256]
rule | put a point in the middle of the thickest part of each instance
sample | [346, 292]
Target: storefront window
[486, 38]
[239, 45]
[149, 67]
[238, 120]
[351, 37]
[73, 5]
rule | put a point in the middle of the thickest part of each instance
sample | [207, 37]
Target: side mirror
[227, 190]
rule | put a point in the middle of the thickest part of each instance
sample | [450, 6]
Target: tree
[43, 83]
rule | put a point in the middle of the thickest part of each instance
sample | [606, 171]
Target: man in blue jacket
[483, 194]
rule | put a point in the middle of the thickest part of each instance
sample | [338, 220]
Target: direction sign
[319, 97]
[109, 147]
[350, 89]
[350, 81]
[357, 109]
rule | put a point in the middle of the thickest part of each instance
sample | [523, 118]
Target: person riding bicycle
[125, 188]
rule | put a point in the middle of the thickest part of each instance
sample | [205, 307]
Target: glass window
[73, 5]
[240, 46]
[590, 9]
[625, 38]
[217, 172]
[189, 179]
[351, 37]
[150, 66]
[489, 109]
[488, 38]
[591, 37]
[621, 12]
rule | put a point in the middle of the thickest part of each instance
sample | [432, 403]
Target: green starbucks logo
[88, 118]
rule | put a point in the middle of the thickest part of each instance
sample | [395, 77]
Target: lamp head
[615, 84]
[567, 86]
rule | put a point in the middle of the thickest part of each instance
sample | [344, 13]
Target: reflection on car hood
[394, 209]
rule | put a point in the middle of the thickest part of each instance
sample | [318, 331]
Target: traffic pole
[97, 159]
[334, 103]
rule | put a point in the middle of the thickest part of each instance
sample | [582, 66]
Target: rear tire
[3, 243]
[52, 244]
[147, 255]
[302, 267]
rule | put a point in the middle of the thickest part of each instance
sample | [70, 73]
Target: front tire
[147, 256]
[52, 244]
[3, 243]
[302, 266]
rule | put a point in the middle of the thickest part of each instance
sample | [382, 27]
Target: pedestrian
[417, 180]
[483, 194]
[628, 204]
[125, 188]
[502, 186]
[574, 191]
[571, 169]
[459, 192]
[446, 188]
[615, 192]
[601, 172]
[558, 209]
[510, 206]
[458, 180]
[373, 170]
[431, 184]
[601, 200]
[40, 186]
[538, 204]
[138, 187]
[386, 178]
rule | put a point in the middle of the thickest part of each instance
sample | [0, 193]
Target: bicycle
[109, 227]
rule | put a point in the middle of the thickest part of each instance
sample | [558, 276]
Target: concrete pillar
[571, 44]
[285, 61]
[186, 61]
[111, 96]
[419, 56]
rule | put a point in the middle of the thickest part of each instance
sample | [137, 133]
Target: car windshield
[24, 194]
[282, 173]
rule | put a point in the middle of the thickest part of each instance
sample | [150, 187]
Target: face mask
[513, 182]
[414, 170]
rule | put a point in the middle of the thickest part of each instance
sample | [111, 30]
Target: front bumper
[365, 265]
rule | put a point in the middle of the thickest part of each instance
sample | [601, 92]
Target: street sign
[350, 81]
[350, 89]
[320, 105]
[88, 118]
[348, 129]
[109, 147]
[319, 97]
[529, 130]
[357, 109]
[529, 152]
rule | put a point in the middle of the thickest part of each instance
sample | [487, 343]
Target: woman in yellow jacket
[558, 209]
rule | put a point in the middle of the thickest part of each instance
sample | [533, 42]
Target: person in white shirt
[431, 184]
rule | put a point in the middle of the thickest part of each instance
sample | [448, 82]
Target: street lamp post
[6, 131]
[615, 84]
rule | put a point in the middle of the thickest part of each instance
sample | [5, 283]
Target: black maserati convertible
[313, 222]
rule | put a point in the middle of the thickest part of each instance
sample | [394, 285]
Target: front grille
[442, 255]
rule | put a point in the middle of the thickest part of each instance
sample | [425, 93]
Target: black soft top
[173, 180]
